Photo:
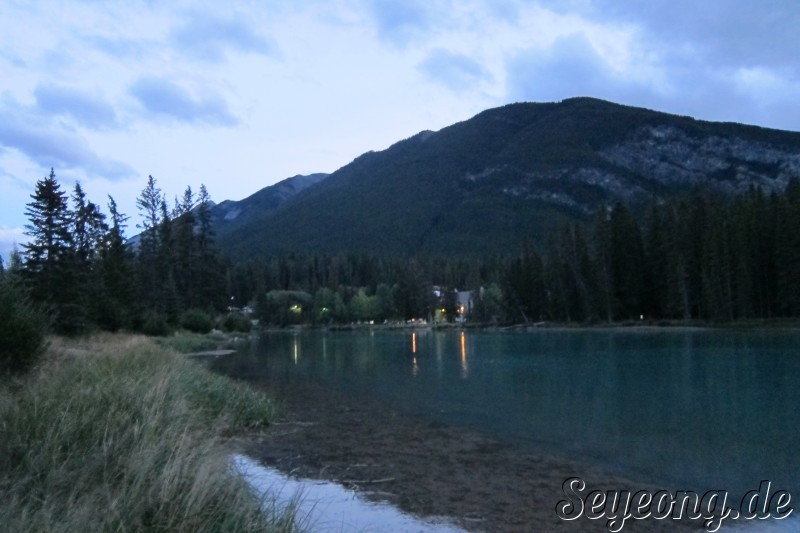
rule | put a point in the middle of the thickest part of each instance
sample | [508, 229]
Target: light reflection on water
[707, 409]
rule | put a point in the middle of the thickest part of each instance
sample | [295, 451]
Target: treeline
[78, 267]
[354, 287]
[697, 257]
[700, 257]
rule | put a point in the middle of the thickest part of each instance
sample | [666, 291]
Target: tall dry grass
[118, 434]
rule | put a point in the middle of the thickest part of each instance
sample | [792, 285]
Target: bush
[22, 329]
[70, 320]
[197, 321]
[155, 324]
[237, 322]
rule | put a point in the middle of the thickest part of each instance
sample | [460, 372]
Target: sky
[238, 95]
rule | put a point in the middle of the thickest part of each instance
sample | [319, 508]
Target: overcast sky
[238, 95]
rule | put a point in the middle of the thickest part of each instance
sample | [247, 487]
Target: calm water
[691, 409]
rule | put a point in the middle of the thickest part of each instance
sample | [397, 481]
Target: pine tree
[603, 243]
[788, 251]
[88, 232]
[210, 270]
[149, 205]
[183, 247]
[627, 262]
[656, 265]
[116, 300]
[47, 255]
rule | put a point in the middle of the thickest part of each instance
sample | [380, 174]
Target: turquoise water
[690, 409]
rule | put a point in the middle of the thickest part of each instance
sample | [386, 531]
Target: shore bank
[427, 469]
[116, 433]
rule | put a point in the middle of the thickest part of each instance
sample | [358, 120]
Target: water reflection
[703, 408]
[414, 364]
[464, 368]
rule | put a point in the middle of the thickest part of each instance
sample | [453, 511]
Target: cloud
[571, 67]
[400, 21]
[730, 33]
[207, 38]
[453, 70]
[165, 98]
[50, 144]
[87, 110]
[117, 47]
[11, 237]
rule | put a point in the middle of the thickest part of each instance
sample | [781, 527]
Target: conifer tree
[627, 261]
[47, 254]
[149, 205]
[183, 247]
[210, 271]
[116, 305]
[788, 251]
[603, 243]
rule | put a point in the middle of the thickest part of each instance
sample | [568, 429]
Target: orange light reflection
[464, 367]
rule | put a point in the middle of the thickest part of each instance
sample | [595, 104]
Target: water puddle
[327, 507]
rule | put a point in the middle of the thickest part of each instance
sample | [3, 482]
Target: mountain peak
[515, 172]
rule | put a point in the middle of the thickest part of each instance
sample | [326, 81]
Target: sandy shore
[425, 468]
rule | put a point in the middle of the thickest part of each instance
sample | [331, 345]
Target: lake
[685, 409]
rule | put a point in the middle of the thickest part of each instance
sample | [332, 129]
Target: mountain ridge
[519, 171]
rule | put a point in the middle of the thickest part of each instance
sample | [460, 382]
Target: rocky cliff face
[652, 163]
[262, 202]
[670, 157]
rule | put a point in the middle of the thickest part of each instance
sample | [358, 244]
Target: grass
[187, 342]
[117, 433]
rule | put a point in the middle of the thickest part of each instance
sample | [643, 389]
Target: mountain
[238, 213]
[511, 173]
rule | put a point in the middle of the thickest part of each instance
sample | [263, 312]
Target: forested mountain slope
[511, 173]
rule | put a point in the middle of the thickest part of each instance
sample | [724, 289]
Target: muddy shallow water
[424, 468]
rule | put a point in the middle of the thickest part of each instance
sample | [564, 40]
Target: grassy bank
[118, 433]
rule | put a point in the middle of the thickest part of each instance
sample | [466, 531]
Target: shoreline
[424, 468]
[776, 324]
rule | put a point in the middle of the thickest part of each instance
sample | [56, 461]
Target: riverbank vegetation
[116, 433]
[695, 258]
[22, 328]
[80, 268]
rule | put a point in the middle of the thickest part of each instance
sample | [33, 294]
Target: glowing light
[414, 343]
[464, 367]
[296, 351]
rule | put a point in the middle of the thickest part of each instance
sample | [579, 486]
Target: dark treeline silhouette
[80, 269]
[695, 257]
[698, 257]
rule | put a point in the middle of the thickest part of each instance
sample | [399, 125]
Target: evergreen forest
[696, 257]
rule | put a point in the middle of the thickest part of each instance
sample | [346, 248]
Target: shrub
[155, 324]
[236, 322]
[22, 329]
[197, 321]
